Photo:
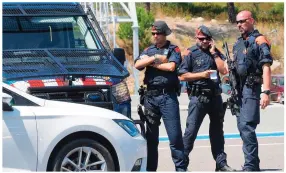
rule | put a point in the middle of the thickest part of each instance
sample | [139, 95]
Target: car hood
[72, 109]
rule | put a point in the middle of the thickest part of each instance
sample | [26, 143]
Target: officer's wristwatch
[267, 92]
[215, 55]
[157, 60]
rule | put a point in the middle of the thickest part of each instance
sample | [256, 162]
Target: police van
[56, 51]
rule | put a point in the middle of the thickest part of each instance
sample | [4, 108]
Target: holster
[142, 93]
[252, 80]
[141, 113]
[233, 105]
[148, 116]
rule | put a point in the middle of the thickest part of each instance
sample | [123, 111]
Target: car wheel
[83, 155]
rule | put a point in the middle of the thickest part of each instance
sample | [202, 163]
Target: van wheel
[83, 155]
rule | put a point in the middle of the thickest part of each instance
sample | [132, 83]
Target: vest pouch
[243, 65]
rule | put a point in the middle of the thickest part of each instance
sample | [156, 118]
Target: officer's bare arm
[144, 61]
[220, 65]
[170, 66]
[266, 76]
[194, 76]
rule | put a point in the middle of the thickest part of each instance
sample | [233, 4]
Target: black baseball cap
[161, 27]
[203, 31]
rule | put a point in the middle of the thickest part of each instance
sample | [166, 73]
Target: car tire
[98, 153]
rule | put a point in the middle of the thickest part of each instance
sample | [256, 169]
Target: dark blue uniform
[250, 55]
[164, 103]
[196, 61]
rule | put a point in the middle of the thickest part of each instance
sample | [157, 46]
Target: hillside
[184, 32]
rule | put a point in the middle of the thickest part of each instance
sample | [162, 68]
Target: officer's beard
[202, 47]
[160, 42]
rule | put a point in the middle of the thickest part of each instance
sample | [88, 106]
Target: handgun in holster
[141, 113]
[140, 109]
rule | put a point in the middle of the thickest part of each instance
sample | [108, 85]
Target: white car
[44, 135]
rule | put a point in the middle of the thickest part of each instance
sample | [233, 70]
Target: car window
[281, 82]
[274, 81]
[19, 100]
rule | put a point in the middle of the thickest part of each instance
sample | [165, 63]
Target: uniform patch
[166, 51]
[177, 49]
[198, 62]
[262, 39]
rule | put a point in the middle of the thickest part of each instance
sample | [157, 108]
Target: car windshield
[47, 32]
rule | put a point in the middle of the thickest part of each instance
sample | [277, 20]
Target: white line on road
[240, 145]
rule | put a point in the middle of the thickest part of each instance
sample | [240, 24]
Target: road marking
[239, 145]
[232, 136]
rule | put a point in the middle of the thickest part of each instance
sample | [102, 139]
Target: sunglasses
[157, 33]
[205, 38]
[241, 21]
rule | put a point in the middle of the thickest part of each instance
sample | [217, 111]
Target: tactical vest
[201, 61]
[156, 77]
[152, 50]
[246, 54]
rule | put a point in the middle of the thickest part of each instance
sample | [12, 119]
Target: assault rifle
[233, 100]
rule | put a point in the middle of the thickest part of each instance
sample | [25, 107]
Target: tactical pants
[196, 114]
[247, 122]
[123, 108]
[167, 106]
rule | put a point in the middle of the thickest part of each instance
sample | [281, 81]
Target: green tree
[231, 12]
[145, 21]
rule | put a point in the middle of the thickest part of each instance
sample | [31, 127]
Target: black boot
[225, 168]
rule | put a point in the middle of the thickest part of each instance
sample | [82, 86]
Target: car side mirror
[119, 53]
[7, 102]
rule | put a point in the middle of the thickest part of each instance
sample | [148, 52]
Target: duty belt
[159, 91]
[196, 90]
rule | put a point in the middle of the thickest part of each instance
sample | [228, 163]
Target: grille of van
[90, 95]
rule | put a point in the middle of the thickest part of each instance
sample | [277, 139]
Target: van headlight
[128, 126]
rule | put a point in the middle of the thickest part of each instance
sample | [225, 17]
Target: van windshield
[48, 32]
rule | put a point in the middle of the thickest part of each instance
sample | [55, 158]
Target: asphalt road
[270, 133]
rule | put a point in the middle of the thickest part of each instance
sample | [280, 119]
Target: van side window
[19, 100]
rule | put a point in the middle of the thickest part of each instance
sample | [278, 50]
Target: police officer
[253, 60]
[202, 61]
[161, 61]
